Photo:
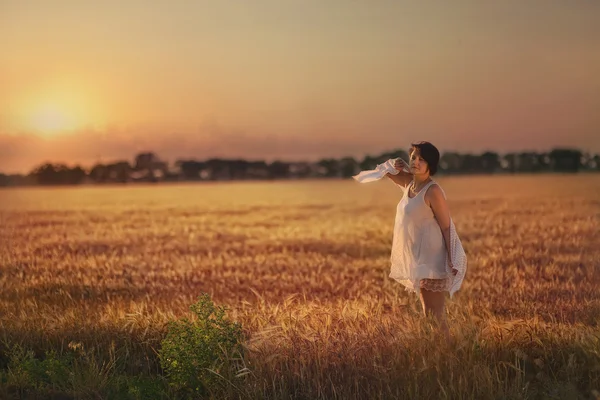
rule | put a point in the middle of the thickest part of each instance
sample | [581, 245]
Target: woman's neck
[420, 178]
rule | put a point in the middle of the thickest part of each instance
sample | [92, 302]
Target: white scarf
[459, 261]
[378, 173]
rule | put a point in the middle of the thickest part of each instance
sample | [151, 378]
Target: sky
[83, 82]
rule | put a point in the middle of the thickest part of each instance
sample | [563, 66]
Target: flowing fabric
[382, 169]
[459, 261]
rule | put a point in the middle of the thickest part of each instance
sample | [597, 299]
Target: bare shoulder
[435, 194]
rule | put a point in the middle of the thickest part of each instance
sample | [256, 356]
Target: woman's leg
[433, 304]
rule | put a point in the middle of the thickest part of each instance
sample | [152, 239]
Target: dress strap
[424, 189]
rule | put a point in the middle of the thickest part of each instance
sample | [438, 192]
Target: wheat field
[303, 266]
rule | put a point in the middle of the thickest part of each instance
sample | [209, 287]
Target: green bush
[203, 355]
[25, 371]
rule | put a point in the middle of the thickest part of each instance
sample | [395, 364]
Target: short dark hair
[429, 153]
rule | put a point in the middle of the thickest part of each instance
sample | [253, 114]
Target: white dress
[419, 254]
[419, 257]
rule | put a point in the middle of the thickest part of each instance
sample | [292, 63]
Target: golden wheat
[303, 266]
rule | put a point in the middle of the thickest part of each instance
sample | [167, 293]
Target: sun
[51, 118]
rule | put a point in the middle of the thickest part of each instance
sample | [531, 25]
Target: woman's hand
[402, 178]
[400, 165]
[454, 270]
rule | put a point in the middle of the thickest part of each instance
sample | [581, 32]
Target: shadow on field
[378, 362]
[131, 347]
[53, 293]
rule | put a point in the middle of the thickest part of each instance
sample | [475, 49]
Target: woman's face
[418, 166]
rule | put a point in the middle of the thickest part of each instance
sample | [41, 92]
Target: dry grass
[303, 266]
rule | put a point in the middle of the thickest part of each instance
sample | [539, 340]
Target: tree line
[148, 167]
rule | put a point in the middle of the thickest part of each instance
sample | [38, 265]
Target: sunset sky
[83, 82]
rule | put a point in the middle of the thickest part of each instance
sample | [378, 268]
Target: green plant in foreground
[24, 370]
[203, 355]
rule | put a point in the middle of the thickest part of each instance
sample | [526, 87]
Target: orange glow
[55, 114]
[51, 119]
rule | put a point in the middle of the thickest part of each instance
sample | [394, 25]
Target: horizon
[293, 81]
[172, 161]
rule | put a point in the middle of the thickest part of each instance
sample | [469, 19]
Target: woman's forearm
[446, 234]
[401, 178]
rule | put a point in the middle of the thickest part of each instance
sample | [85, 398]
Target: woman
[422, 256]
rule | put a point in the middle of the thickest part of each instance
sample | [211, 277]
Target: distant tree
[589, 161]
[544, 162]
[258, 170]
[565, 160]
[119, 171]
[146, 160]
[99, 173]
[239, 169]
[510, 162]
[279, 170]
[46, 174]
[596, 162]
[348, 167]
[16, 180]
[331, 166]
[190, 169]
[75, 175]
[20, 180]
[369, 162]
[532, 162]
[58, 174]
[490, 162]
[451, 162]
[116, 172]
[218, 169]
[471, 163]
